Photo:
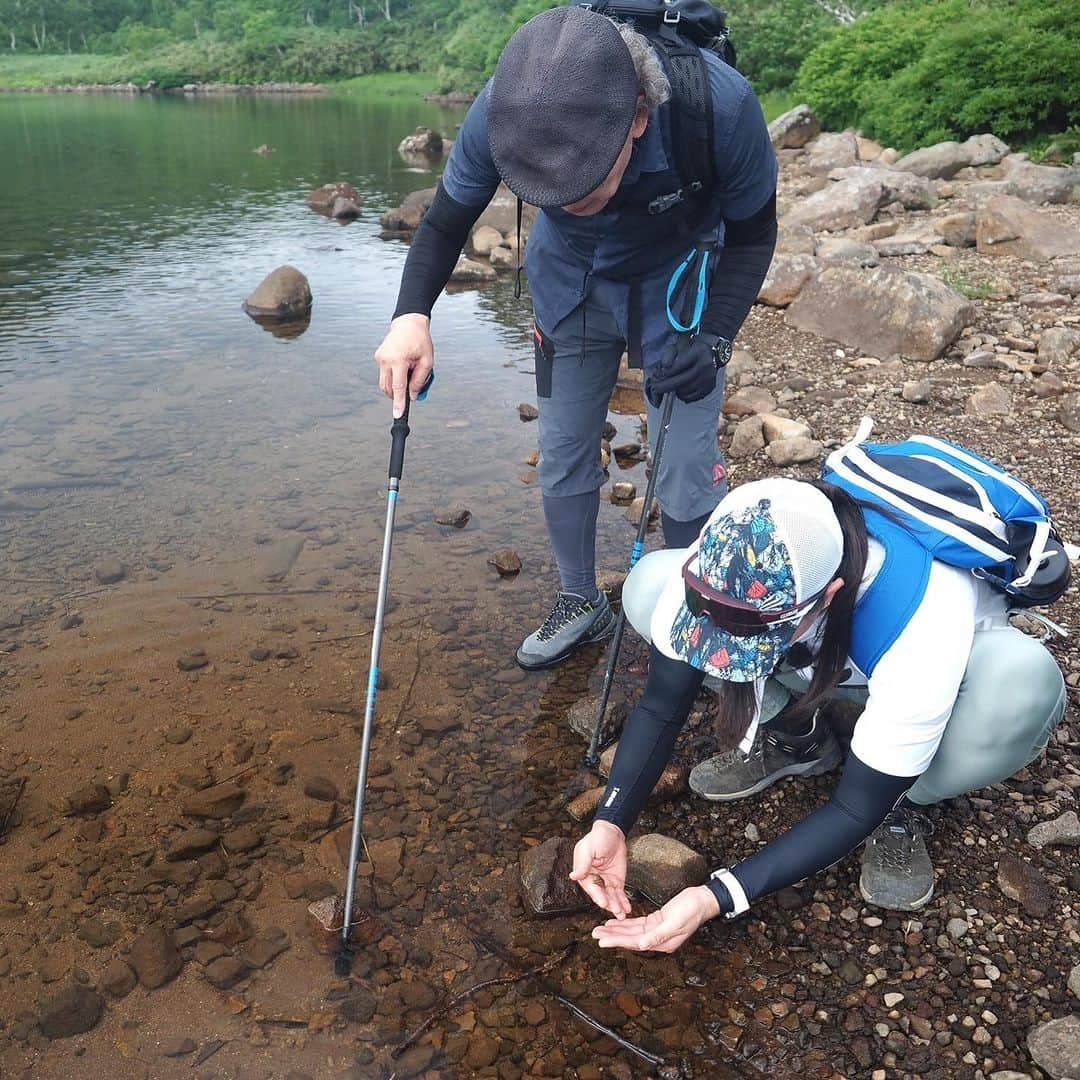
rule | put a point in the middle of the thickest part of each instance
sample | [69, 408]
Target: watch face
[721, 352]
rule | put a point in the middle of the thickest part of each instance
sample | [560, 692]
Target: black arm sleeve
[648, 737]
[741, 267]
[858, 806]
[434, 251]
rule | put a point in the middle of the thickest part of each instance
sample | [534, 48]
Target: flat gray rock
[1055, 1047]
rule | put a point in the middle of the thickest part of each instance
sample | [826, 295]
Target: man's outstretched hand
[664, 930]
[600, 867]
[405, 358]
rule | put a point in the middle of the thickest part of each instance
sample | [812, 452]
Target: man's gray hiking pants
[577, 363]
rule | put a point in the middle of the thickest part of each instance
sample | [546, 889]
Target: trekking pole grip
[399, 432]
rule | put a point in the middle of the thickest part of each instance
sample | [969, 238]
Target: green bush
[925, 70]
[772, 39]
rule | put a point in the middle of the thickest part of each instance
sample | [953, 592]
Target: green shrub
[925, 70]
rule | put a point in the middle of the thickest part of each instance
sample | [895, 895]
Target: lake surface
[144, 418]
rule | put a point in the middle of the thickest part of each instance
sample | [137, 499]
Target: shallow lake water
[145, 418]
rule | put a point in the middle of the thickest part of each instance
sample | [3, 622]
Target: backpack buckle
[671, 17]
[662, 203]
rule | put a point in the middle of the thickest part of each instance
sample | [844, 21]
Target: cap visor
[697, 642]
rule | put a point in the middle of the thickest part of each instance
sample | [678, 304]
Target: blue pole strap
[636, 552]
[702, 290]
[372, 686]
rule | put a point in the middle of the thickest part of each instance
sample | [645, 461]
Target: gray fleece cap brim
[560, 106]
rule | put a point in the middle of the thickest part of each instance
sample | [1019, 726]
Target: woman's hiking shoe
[774, 755]
[571, 623]
[896, 870]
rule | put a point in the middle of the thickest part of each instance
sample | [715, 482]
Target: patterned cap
[770, 543]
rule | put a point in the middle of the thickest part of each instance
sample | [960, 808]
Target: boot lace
[568, 606]
[735, 756]
[899, 836]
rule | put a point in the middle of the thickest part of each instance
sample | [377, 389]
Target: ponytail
[831, 667]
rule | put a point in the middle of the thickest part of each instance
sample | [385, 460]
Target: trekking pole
[399, 432]
[592, 755]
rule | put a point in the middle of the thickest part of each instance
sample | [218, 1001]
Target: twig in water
[442, 1010]
[263, 592]
[340, 637]
[500, 951]
[585, 1018]
[412, 681]
[11, 806]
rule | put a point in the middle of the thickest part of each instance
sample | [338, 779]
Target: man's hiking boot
[571, 623]
[896, 870]
[774, 755]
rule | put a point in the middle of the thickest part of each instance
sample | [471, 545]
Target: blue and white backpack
[962, 509]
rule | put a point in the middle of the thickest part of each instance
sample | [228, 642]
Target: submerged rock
[455, 517]
[155, 958]
[506, 562]
[71, 1012]
[545, 878]
[324, 197]
[422, 141]
[660, 867]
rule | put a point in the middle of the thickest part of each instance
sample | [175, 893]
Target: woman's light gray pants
[1011, 698]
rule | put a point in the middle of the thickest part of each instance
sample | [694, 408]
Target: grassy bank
[387, 84]
[34, 72]
[25, 71]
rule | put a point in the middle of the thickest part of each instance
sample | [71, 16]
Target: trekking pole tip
[342, 963]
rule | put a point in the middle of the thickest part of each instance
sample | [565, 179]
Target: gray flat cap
[561, 105]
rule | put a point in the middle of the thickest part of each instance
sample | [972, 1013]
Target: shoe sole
[914, 906]
[592, 639]
[809, 768]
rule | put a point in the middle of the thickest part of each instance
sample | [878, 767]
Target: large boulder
[787, 275]
[1041, 183]
[1057, 344]
[794, 129]
[833, 150]
[406, 217]
[283, 294]
[944, 160]
[1055, 1047]
[882, 312]
[843, 251]
[911, 191]
[469, 271]
[842, 205]
[1006, 225]
[957, 230]
[659, 867]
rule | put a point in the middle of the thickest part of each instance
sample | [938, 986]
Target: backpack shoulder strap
[691, 109]
[885, 609]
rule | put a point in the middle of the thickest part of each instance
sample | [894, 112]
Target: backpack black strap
[691, 112]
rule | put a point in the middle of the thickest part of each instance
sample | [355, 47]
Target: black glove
[690, 373]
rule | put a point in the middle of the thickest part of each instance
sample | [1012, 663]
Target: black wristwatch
[721, 352]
